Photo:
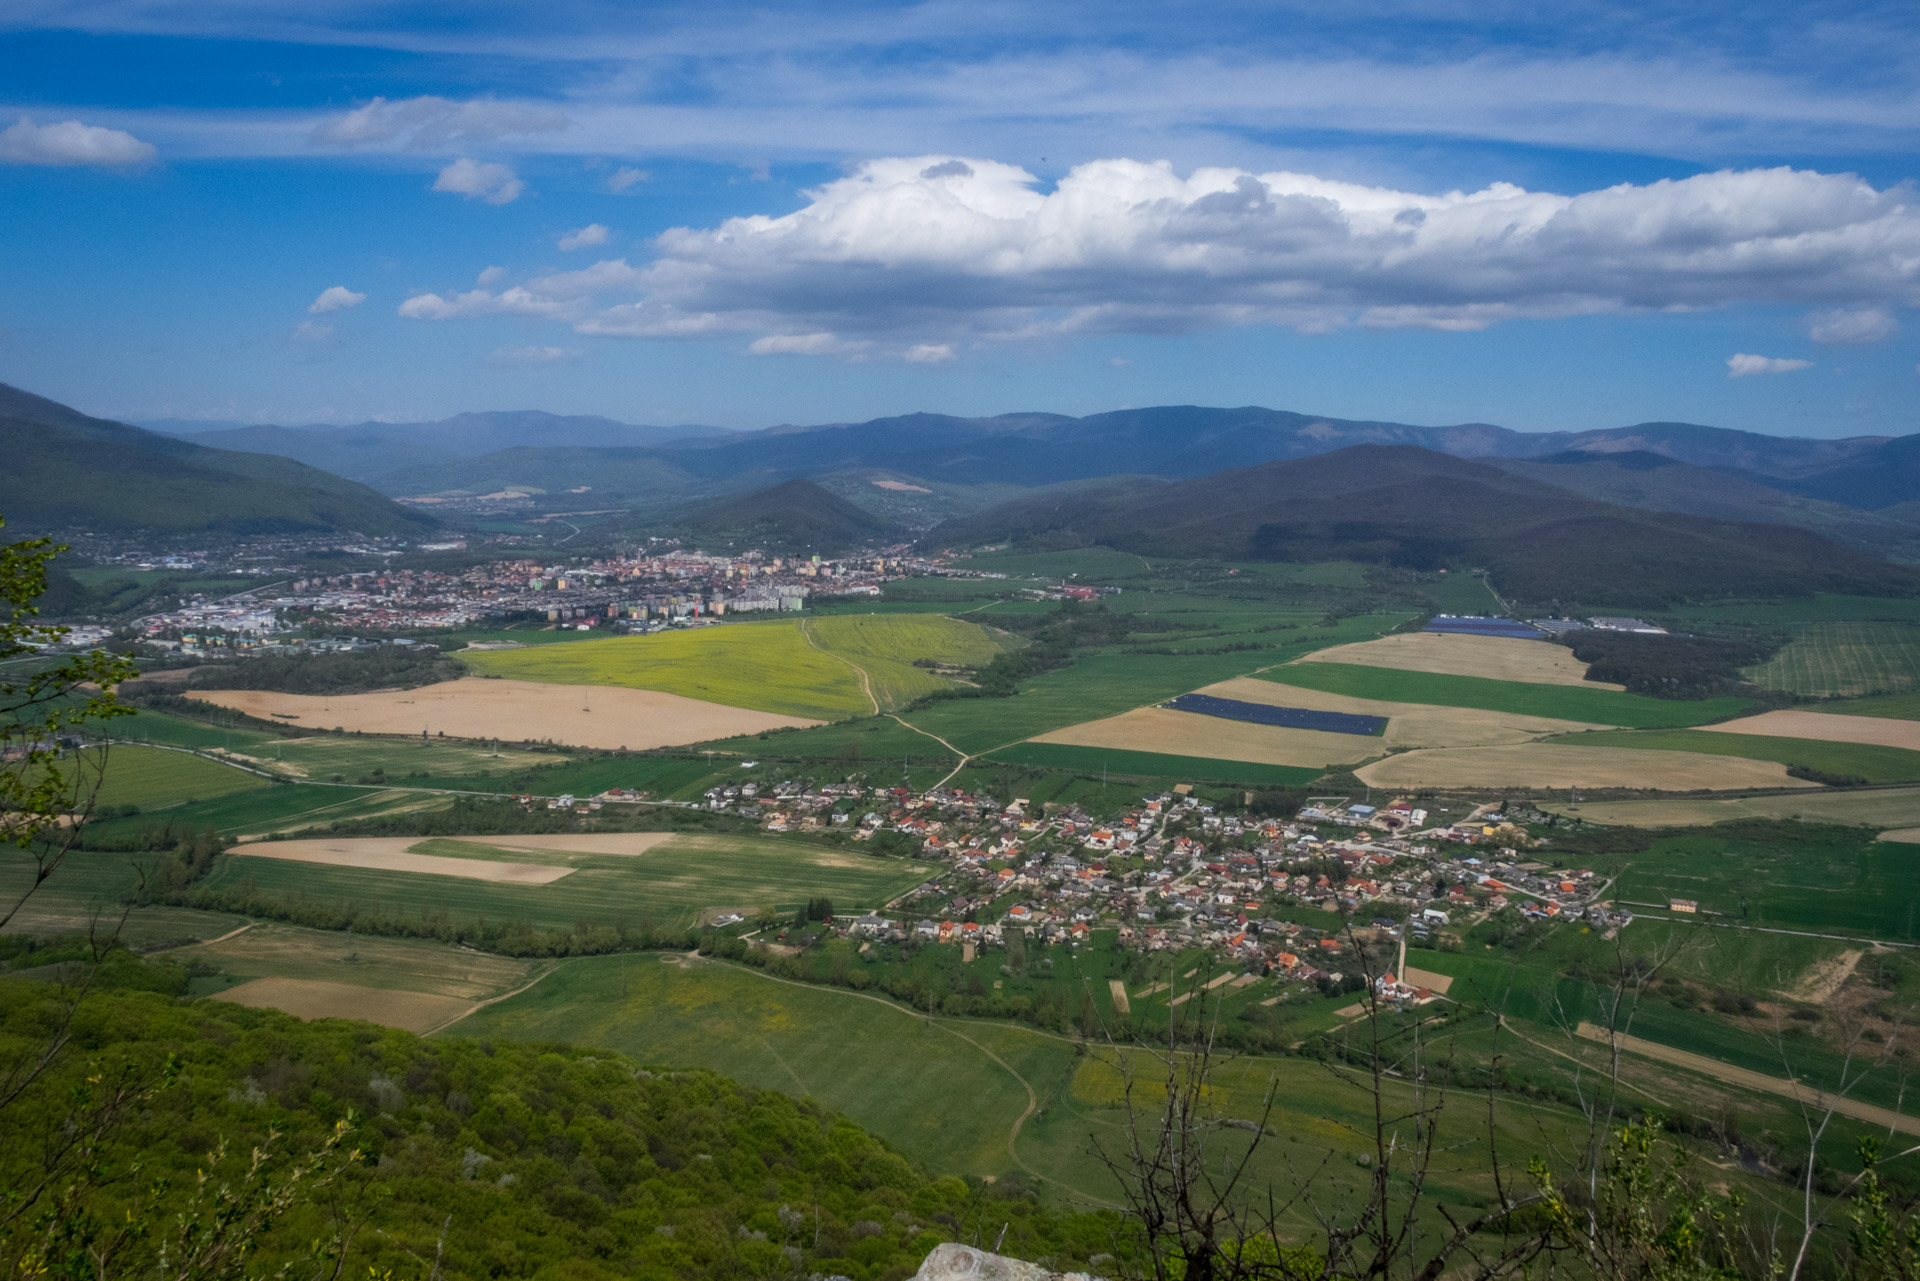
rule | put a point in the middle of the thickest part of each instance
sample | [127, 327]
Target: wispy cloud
[1869, 324]
[434, 124]
[1747, 366]
[533, 355]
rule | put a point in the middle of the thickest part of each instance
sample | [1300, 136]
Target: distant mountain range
[923, 468]
[64, 470]
[1404, 505]
[384, 454]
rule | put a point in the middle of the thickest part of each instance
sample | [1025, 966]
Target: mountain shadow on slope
[1658, 482]
[66, 470]
[1411, 507]
[794, 516]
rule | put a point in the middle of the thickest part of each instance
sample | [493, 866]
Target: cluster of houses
[1172, 874]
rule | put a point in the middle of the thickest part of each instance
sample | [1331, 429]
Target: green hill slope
[518, 1160]
[1402, 505]
[65, 470]
[798, 516]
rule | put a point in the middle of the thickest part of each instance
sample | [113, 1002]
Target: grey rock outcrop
[953, 1262]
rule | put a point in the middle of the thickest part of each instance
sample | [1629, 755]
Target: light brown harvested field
[414, 965]
[1877, 730]
[1547, 765]
[316, 999]
[1891, 808]
[1158, 729]
[1502, 658]
[1408, 724]
[390, 854]
[1121, 1005]
[515, 712]
[1439, 983]
[578, 842]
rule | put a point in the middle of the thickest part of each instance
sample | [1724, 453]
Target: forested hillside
[464, 1158]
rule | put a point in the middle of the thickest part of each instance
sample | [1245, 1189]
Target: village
[1270, 897]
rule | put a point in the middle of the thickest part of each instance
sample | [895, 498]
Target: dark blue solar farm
[1471, 625]
[1290, 717]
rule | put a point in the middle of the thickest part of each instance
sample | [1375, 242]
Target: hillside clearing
[1451, 654]
[1555, 766]
[514, 711]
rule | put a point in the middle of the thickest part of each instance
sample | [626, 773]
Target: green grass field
[933, 1087]
[886, 645]
[1094, 686]
[1841, 660]
[153, 777]
[1155, 765]
[668, 887]
[267, 809]
[1859, 760]
[87, 893]
[1901, 707]
[1563, 702]
[809, 668]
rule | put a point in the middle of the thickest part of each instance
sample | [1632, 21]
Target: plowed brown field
[515, 712]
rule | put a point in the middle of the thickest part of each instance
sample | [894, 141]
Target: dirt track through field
[1786, 1089]
[514, 712]
[624, 843]
[1500, 658]
[315, 999]
[1876, 731]
[1554, 766]
[390, 854]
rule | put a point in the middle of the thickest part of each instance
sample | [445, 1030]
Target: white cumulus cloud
[1869, 324]
[927, 251]
[491, 276]
[1743, 365]
[591, 234]
[335, 298]
[71, 143]
[494, 183]
[928, 353]
[625, 177]
[432, 124]
[315, 331]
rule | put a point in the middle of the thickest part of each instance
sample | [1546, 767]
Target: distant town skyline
[1422, 212]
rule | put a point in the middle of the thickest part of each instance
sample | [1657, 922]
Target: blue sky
[1547, 217]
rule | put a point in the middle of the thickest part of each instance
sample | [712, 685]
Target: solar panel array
[1290, 717]
[1467, 625]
